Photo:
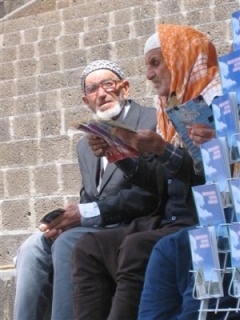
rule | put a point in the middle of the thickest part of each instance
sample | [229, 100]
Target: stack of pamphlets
[205, 260]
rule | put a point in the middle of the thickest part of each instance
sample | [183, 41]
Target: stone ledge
[7, 293]
[7, 273]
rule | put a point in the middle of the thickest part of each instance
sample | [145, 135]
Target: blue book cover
[195, 111]
[209, 204]
[229, 68]
[235, 149]
[234, 188]
[205, 261]
[236, 29]
[225, 113]
[234, 237]
[210, 211]
[215, 159]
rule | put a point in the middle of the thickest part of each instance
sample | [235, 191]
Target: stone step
[7, 292]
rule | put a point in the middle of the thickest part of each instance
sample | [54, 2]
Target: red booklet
[118, 149]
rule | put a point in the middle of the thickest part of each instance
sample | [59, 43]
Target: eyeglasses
[108, 85]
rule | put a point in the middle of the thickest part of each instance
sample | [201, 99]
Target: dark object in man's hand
[49, 216]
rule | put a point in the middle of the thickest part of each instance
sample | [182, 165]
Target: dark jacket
[173, 190]
[176, 201]
[119, 200]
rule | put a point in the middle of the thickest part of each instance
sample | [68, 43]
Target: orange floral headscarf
[192, 61]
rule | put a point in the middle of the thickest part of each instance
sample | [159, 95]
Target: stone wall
[43, 49]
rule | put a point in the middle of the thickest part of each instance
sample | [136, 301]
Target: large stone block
[7, 71]
[20, 153]
[71, 178]
[11, 39]
[21, 188]
[4, 129]
[56, 149]
[7, 89]
[8, 54]
[25, 127]
[27, 68]
[46, 180]
[48, 46]
[27, 85]
[9, 245]
[16, 214]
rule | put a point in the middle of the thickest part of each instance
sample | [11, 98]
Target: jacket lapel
[108, 172]
[93, 166]
[133, 116]
[131, 120]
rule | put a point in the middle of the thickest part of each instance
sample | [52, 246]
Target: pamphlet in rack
[229, 68]
[226, 116]
[234, 239]
[235, 19]
[209, 206]
[215, 159]
[206, 266]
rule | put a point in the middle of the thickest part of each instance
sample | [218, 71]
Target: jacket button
[174, 218]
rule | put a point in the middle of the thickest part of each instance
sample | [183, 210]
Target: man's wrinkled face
[105, 93]
[157, 72]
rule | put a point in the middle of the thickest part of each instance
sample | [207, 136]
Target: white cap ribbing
[152, 43]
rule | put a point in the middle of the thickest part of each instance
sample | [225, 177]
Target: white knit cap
[101, 64]
[152, 43]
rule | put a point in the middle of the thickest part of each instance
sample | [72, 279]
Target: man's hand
[144, 141]
[69, 219]
[200, 133]
[98, 145]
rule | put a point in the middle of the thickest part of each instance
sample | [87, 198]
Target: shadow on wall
[15, 6]
[7, 6]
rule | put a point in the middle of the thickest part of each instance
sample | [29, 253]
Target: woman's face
[157, 72]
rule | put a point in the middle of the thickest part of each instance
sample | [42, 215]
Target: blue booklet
[183, 116]
[229, 68]
[234, 189]
[225, 113]
[235, 150]
[205, 260]
[215, 159]
[209, 204]
[236, 29]
[234, 237]
[210, 211]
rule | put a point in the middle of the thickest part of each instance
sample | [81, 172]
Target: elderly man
[113, 203]
[121, 256]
